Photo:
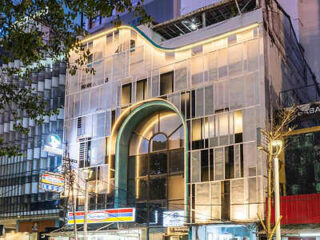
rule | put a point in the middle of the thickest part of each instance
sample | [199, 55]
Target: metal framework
[203, 17]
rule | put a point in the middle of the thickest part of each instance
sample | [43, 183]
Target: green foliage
[33, 31]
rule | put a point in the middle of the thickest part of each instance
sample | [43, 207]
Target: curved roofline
[156, 45]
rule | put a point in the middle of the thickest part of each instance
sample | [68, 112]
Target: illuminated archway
[130, 122]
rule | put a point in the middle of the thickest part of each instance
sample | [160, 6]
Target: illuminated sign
[53, 145]
[54, 140]
[51, 182]
[173, 218]
[52, 179]
[50, 188]
[104, 216]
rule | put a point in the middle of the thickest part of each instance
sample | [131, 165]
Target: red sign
[299, 209]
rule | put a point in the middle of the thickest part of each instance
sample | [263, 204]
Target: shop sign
[53, 145]
[104, 216]
[52, 179]
[51, 188]
[173, 218]
[51, 182]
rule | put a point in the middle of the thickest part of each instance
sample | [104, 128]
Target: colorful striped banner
[104, 216]
[53, 179]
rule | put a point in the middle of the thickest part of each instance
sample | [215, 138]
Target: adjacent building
[23, 206]
[169, 129]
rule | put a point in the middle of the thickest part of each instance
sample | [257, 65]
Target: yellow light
[124, 114]
[189, 46]
[117, 125]
[276, 143]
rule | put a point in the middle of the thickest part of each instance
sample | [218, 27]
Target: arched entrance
[149, 135]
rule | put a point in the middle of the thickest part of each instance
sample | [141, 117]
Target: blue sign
[51, 188]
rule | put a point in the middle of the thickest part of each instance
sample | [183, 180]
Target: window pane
[142, 165]
[141, 90]
[143, 189]
[195, 167]
[157, 188]
[98, 152]
[219, 164]
[166, 83]
[176, 161]
[158, 163]
[158, 142]
[126, 94]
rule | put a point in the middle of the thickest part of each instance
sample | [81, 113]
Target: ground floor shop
[204, 232]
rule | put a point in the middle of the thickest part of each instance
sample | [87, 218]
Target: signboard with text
[173, 218]
[104, 216]
[52, 182]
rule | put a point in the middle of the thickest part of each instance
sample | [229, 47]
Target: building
[24, 208]
[306, 22]
[169, 130]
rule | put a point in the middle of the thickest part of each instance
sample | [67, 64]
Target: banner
[104, 216]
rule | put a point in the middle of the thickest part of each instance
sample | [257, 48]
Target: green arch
[122, 147]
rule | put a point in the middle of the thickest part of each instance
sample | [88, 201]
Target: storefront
[225, 232]
[131, 234]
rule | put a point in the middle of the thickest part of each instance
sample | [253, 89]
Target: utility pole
[68, 171]
[85, 223]
[87, 174]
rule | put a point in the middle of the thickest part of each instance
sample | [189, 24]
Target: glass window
[176, 161]
[204, 166]
[195, 167]
[126, 94]
[229, 162]
[158, 163]
[166, 83]
[141, 90]
[219, 163]
[143, 189]
[158, 142]
[157, 188]
[142, 165]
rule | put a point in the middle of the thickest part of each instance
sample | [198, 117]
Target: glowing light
[173, 49]
[276, 143]
[54, 140]
[316, 234]
[193, 26]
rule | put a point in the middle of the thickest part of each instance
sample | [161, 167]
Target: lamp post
[87, 175]
[276, 150]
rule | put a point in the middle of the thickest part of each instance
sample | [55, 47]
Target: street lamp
[87, 175]
[276, 146]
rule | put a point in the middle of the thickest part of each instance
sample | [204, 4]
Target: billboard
[302, 163]
[104, 216]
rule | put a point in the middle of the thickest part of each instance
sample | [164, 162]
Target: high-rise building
[169, 130]
[305, 16]
[23, 206]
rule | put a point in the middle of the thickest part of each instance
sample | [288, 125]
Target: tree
[34, 31]
[279, 128]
